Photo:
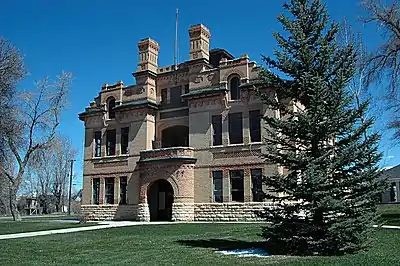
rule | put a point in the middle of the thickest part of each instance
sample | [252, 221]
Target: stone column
[248, 195]
[116, 190]
[102, 189]
[246, 128]
[183, 209]
[226, 184]
[183, 205]
[225, 129]
[103, 143]
[143, 211]
[118, 141]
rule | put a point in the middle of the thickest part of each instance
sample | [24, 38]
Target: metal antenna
[176, 41]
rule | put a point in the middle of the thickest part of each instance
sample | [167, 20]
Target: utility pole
[176, 41]
[70, 188]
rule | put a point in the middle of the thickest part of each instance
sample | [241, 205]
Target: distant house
[393, 193]
[31, 206]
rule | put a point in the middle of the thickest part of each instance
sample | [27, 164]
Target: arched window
[234, 88]
[110, 108]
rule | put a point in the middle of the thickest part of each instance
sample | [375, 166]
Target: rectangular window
[187, 88]
[237, 185]
[176, 93]
[217, 129]
[164, 95]
[96, 191]
[122, 189]
[255, 126]
[124, 140]
[111, 139]
[256, 184]
[109, 193]
[235, 128]
[97, 144]
[217, 186]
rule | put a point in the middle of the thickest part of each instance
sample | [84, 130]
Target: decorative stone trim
[236, 154]
[110, 164]
[182, 211]
[108, 173]
[232, 165]
[100, 159]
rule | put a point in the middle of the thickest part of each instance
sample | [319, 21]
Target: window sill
[217, 146]
[236, 145]
[111, 158]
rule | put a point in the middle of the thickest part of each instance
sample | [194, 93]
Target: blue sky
[97, 42]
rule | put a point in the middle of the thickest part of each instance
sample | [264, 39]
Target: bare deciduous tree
[12, 71]
[51, 168]
[38, 115]
[5, 186]
[384, 63]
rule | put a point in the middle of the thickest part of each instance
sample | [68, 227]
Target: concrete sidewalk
[112, 224]
[67, 230]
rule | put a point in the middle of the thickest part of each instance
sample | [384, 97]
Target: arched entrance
[160, 197]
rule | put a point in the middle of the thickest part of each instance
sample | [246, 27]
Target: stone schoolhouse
[182, 144]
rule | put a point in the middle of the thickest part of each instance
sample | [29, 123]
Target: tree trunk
[58, 201]
[14, 205]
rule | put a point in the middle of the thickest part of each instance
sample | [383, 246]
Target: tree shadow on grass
[233, 244]
[222, 244]
[390, 218]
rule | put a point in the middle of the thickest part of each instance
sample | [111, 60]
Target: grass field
[31, 225]
[174, 244]
[390, 213]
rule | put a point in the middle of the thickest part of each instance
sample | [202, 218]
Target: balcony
[168, 154]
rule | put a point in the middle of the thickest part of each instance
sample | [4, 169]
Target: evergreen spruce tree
[326, 196]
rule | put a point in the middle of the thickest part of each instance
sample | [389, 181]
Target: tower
[148, 55]
[199, 42]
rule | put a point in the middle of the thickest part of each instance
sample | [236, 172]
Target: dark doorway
[160, 197]
[176, 136]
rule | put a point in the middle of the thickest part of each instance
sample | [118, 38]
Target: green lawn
[174, 244]
[390, 213]
[31, 225]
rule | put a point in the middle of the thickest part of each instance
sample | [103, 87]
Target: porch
[166, 184]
